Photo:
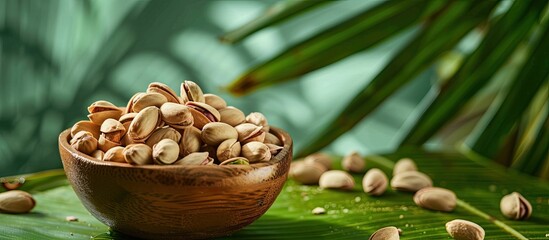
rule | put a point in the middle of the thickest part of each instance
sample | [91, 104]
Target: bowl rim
[281, 156]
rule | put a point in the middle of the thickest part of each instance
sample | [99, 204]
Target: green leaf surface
[479, 185]
[498, 45]
[436, 37]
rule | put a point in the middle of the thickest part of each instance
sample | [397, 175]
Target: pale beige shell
[515, 206]
[105, 144]
[435, 198]
[87, 126]
[157, 87]
[115, 154]
[232, 116]
[336, 179]
[411, 181]
[103, 110]
[274, 148]
[272, 139]
[215, 133]
[98, 154]
[375, 182]
[190, 141]
[16, 201]
[386, 233]
[248, 132]
[228, 149]
[321, 158]
[464, 230]
[113, 130]
[163, 133]
[196, 158]
[144, 100]
[83, 141]
[138, 154]
[144, 123]
[190, 91]
[353, 162]
[203, 114]
[215, 101]
[129, 105]
[404, 165]
[236, 161]
[165, 152]
[102, 105]
[258, 119]
[306, 173]
[176, 115]
[256, 152]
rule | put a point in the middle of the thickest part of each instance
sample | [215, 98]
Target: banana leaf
[478, 183]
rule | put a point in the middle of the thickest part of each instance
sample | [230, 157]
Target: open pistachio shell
[144, 123]
[228, 149]
[232, 116]
[336, 179]
[197, 158]
[248, 132]
[84, 142]
[203, 114]
[258, 119]
[163, 133]
[115, 154]
[157, 87]
[87, 126]
[215, 101]
[256, 152]
[215, 133]
[176, 115]
[190, 91]
[191, 141]
[144, 100]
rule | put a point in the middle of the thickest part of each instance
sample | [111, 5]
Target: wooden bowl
[174, 202]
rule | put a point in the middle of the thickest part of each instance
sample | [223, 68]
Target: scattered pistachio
[318, 210]
[404, 165]
[306, 172]
[321, 158]
[435, 198]
[375, 182]
[16, 201]
[386, 233]
[353, 163]
[336, 179]
[411, 181]
[71, 219]
[464, 230]
[515, 206]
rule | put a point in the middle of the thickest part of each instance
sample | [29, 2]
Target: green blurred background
[57, 57]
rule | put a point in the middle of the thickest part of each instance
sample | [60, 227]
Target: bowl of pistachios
[168, 166]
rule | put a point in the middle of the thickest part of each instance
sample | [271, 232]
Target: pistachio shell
[375, 182]
[248, 132]
[176, 115]
[256, 152]
[138, 154]
[321, 158]
[144, 100]
[196, 158]
[235, 161]
[336, 179]
[190, 141]
[274, 148]
[306, 173]
[129, 105]
[435, 198]
[113, 130]
[165, 152]
[87, 126]
[190, 91]
[157, 87]
[272, 139]
[203, 114]
[258, 119]
[98, 154]
[232, 116]
[103, 110]
[127, 119]
[386, 233]
[144, 123]
[515, 206]
[353, 163]
[215, 133]
[16, 201]
[215, 101]
[101, 105]
[105, 144]
[404, 165]
[411, 181]
[163, 133]
[464, 230]
[84, 142]
[228, 149]
[115, 154]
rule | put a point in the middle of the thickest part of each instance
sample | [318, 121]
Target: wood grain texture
[175, 202]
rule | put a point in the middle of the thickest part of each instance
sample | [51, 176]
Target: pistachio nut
[515, 206]
[157, 87]
[464, 230]
[293, 165]
[214, 101]
[129, 105]
[138, 154]
[272, 139]
[126, 119]
[211, 150]
[256, 152]
[144, 100]
[176, 115]
[103, 110]
[215, 133]
[165, 152]
[84, 142]
[228, 149]
[144, 123]
[232, 116]
[258, 119]
[105, 144]
[87, 126]
[113, 130]
[163, 133]
[404, 165]
[375, 182]
[306, 173]
[386, 233]
[98, 154]
[336, 179]
[235, 161]
[411, 181]
[190, 91]
[16, 201]
[353, 162]
[190, 141]
[248, 132]
[196, 158]
[203, 114]
[321, 158]
[318, 211]
[274, 148]
[115, 154]
[435, 198]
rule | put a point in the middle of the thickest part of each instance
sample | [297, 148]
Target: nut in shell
[515, 206]
[411, 181]
[103, 110]
[321, 158]
[435, 198]
[404, 165]
[306, 173]
[235, 161]
[215, 133]
[98, 154]
[248, 132]
[138, 154]
[113, 130]
[191, 141]
[353, 163]
[197, 158]
[190, 91]
[144, 124]
[165, 152]
[228, 149]
[274, 148]
[84, 142]
[115, 154]
[157, 87]
[336, 179]
[163, 133]
[143, 100]
[375, 182]
[256, 152]
[16, 201]
[214, 101]
[203, 114]
[176, 115]
[386, 233]
[272, 139]
[105, 144]
[232, 116]
[258, 119]
[87, 126]
[464, 230]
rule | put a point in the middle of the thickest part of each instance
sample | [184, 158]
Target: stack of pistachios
[160, 127]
